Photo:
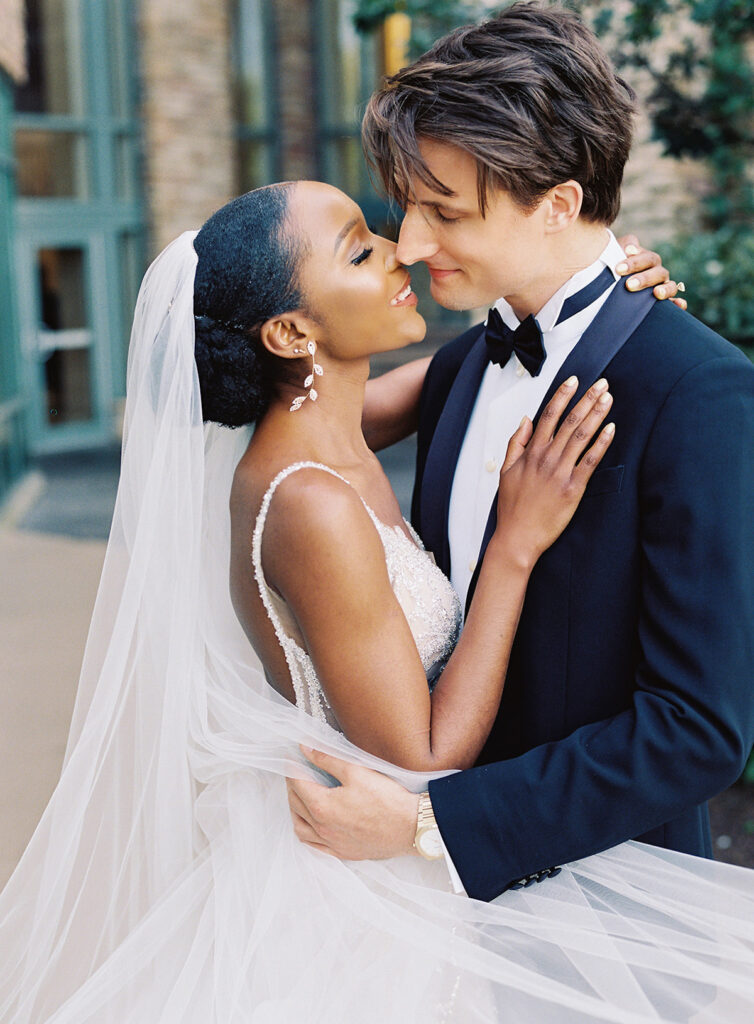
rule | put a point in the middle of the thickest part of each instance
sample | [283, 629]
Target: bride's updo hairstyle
[247, 272]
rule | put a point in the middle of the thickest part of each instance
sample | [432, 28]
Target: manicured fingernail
[681, 286]
[609, 429]
[632, 284]
[522, 422]
[571, 382]
[601, 384]
[306, 751]
[622, 268]
[631, 250]
[660, 292]
[604, 400]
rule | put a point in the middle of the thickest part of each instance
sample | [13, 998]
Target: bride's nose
[391, 261]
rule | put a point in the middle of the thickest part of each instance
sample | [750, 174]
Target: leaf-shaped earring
[311, 348]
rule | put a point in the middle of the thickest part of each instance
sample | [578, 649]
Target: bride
[164, 882]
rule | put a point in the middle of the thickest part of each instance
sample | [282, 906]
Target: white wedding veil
[164, 882]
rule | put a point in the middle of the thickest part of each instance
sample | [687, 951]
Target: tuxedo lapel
[599, 344]
[437, 481]
[601, 341]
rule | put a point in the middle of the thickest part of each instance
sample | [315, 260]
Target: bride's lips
[405, 297]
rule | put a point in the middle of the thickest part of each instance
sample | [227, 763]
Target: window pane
[64, 338]
[52, 164]
[251, 64]
[346, 93]
[345, 165]
[255, 158]
[68, 395]
[119, 14]
[253, 69]
[61, 289]
[349, 74]
[55, 59]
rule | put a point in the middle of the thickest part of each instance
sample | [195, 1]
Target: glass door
[60, 325]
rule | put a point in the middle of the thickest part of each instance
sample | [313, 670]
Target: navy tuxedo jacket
[629, 697]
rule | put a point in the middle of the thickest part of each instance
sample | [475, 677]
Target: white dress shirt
[506, 395]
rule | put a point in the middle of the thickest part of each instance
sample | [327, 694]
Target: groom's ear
[286, 336]
[562, 206]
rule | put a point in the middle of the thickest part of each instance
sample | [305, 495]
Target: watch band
[427, 841]
[426, 816]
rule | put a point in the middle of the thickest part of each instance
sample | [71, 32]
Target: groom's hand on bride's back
[367, 817]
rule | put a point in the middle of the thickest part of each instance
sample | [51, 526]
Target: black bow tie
[526, 340]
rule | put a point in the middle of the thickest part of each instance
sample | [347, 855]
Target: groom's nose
[416, 239]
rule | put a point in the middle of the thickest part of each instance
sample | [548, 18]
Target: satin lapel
[443, 453]
[599, 344]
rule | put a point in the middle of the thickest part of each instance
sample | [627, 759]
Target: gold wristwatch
[427, 841]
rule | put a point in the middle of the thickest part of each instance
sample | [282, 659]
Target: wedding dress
[429, 602]
[164, 882]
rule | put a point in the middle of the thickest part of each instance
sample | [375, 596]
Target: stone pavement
[47, 590]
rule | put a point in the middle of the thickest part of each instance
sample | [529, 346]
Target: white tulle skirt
[262, 930]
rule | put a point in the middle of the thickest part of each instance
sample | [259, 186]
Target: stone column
[187, 112]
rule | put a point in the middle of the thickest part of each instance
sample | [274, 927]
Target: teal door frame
[97, 301]
[97, 224]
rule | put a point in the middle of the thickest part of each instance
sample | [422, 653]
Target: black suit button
[516, 885]
[553, 872]
[531, 879]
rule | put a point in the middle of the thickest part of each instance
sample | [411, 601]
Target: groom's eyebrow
[344, 231]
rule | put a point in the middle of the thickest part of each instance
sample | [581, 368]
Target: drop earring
[298, 401]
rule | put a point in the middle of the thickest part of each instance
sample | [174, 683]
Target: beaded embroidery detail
[426, 596]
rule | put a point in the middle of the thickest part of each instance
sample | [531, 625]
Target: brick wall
[187, 111]
[12, 48]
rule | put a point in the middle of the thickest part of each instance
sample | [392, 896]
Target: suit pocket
[605, 481]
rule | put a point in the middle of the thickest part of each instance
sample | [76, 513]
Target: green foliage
[718, 268]
[702, 95]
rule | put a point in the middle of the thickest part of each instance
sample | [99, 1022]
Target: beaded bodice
[430, 604]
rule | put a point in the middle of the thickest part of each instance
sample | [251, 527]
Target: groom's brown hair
[530, 94]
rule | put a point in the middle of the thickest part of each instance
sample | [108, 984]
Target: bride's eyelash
[363, 255]
[445, 220]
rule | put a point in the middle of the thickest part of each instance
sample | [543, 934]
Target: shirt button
[472, 565]
[490, 465]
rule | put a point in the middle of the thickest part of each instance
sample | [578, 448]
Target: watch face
[429, 843]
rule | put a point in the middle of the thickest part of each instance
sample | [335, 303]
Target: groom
[629, 699]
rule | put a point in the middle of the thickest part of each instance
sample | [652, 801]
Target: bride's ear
[287, 335]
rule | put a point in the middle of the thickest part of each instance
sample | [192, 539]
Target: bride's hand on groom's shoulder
[646, 271]
[546, 471]
[367, 817]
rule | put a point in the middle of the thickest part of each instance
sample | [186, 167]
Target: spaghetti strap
[303, 677]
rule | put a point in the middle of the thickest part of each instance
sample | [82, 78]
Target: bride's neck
[328, 429]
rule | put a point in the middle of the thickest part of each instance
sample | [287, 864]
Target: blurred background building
[124, 122]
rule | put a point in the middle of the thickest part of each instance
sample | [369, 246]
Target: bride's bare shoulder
[316, 523]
